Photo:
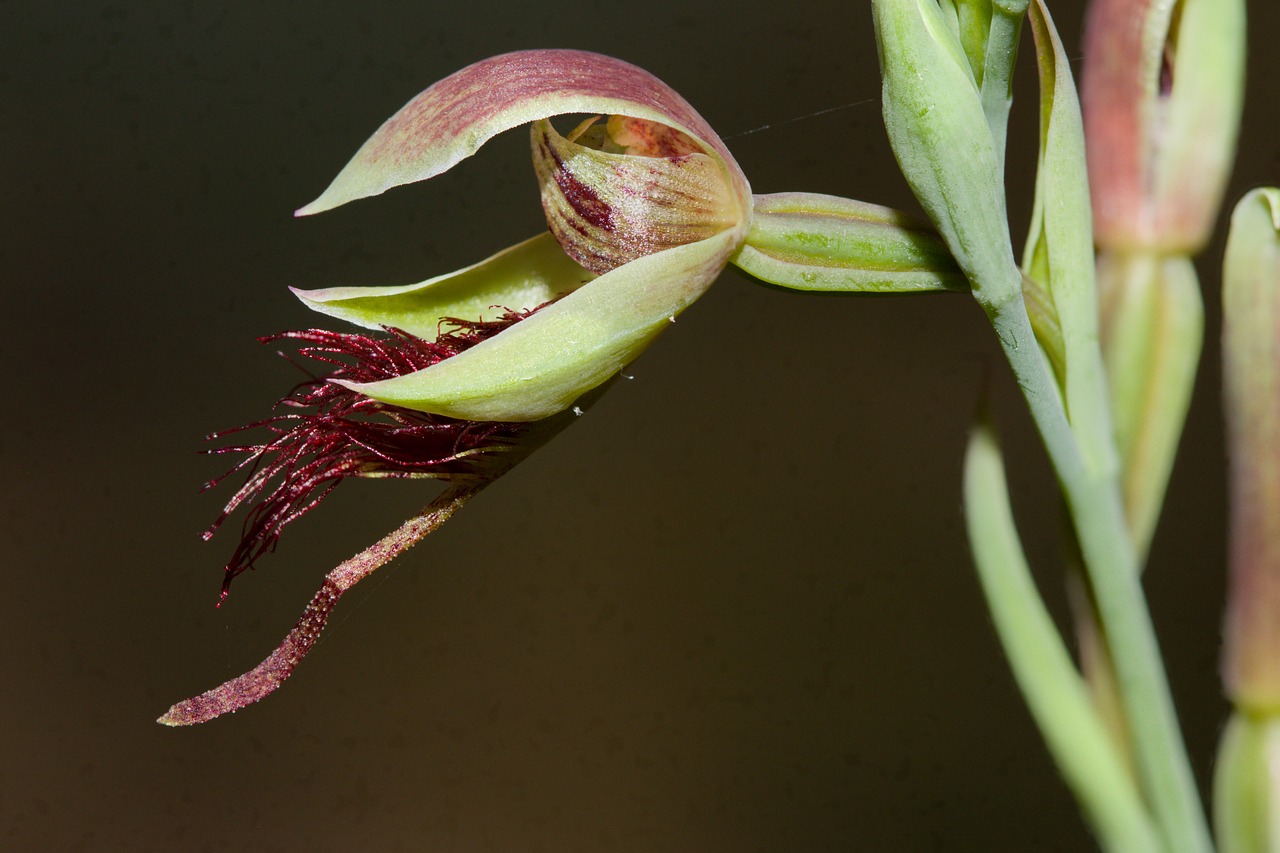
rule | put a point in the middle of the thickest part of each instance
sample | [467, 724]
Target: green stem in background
[938, 129]
[1041, 664]
[1096, 510]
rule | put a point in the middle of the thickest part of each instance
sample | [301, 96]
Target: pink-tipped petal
[1162, 92]
[451, 120]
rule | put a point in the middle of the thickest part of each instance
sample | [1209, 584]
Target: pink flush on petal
[450, 120]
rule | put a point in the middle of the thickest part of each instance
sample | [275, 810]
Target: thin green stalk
[1054, 691]
[1094, 501]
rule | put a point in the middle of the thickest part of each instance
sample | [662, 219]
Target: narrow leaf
[1055, 693]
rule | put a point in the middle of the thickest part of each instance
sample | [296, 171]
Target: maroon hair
[325, 432]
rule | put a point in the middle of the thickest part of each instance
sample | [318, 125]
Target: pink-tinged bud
[1162, 90]
[1251, 366]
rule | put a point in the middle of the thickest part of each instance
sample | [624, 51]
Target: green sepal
[541, 365]
[519, 278]
[938, 130]
[1059, 251]
[807, 241]
[1152, 334]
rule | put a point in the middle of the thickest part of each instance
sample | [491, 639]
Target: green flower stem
[1041, 664]
[1094, 501]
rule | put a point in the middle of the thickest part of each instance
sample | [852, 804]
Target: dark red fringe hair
[324, 433]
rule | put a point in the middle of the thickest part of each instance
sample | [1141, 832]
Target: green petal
[517, 279]
[608, 209]
[451, 120]
[1059, 251]
[541, 365]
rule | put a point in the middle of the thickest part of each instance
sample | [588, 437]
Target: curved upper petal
[451, 120]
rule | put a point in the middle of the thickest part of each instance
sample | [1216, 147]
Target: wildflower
[645, 206]
[649, 200]
[644, 209]
[1247, 786]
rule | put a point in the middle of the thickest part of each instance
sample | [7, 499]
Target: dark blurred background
[731, 609]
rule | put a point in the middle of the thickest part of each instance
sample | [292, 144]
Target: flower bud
[1162, 90]
[1251, 367]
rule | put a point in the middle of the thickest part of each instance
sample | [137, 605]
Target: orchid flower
[645, 206]
[649, 200]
